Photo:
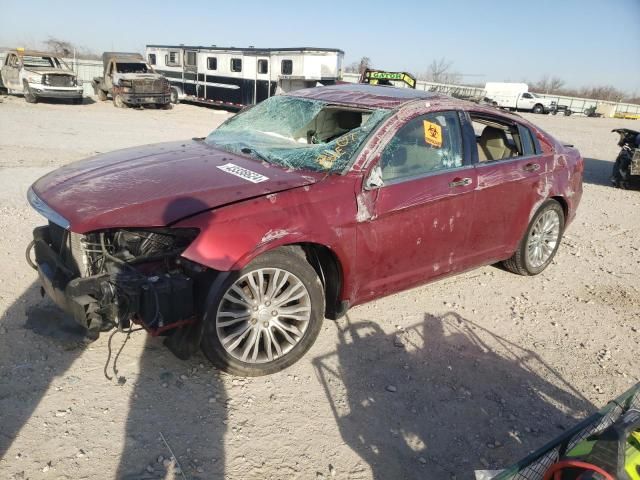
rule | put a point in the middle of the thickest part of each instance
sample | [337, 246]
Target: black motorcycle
[626, 170]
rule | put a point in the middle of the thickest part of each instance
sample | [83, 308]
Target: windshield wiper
[251, 151]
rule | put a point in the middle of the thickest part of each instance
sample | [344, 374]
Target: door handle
[460, 182]
[531, 167]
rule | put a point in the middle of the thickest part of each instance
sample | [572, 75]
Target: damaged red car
[295, 210]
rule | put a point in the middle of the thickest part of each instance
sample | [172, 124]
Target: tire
[621, 171]
[538, 108]
[118, 101]
[567, 113]
[523, 261]
[280, 265]
[102, 95]
[29, 96]
[174, 96]
[164, 106]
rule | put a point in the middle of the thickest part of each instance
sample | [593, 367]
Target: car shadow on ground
[38, 343]
[442, 397]
[597, 172]
[183, 402]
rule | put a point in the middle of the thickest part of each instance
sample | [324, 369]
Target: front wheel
[265, 317]
[538, 109]
[175, 99]
[621, 171]
[29, 96]
[118, 101]
[540, 242]
[102, 95]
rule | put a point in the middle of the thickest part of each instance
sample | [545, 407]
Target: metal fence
[575, 104]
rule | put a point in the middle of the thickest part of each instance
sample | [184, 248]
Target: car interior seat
[493, 145]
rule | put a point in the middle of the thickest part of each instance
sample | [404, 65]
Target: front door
[263, 74]
[421, 215]
[11, 72]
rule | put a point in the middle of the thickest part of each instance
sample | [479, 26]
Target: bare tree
[439, 71]
[64, 48]
[61, 47]
[359, 67]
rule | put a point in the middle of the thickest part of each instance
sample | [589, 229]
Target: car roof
[364, 95]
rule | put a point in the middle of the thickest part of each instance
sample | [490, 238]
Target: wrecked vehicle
[39, 75]
[295, 210]
[131, 81]
[626, 169]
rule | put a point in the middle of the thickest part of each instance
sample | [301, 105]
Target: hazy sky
[584, 42]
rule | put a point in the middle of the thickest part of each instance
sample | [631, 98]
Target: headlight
[34, 79]
[78, 82]
[153, 241]
[126, 83]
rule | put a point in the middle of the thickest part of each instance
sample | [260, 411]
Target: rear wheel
[266, 317]
[538, 108]
[540, 242]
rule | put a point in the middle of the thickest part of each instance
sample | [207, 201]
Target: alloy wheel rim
[543, 238]
[263, 315]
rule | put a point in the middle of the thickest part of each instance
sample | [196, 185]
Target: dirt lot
[470, 372]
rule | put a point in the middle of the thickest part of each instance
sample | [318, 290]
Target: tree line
[441, 71]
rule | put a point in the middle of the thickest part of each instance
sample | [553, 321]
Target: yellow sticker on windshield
[433, 134]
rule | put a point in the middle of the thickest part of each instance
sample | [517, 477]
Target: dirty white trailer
[237, 77]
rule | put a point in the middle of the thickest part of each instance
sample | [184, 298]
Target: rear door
[420, 220]
[512, 181]
[190, 72]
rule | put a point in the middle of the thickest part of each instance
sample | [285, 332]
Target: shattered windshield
[131, 67]
[298, 133]
[40, 62]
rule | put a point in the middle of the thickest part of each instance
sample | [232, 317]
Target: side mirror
[374, 180]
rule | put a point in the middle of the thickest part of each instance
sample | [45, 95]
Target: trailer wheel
[119, 102]
[567, 112]
[174, 96]
[538, 109]
[102, 95]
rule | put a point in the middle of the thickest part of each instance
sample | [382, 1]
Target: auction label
[241, 172]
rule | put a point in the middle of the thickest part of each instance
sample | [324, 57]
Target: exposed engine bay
[112, 278]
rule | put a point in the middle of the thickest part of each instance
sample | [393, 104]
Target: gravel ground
[470, 372]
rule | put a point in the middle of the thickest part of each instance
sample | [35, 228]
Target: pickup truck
[39, 75]
[131, 81]
[516, 96]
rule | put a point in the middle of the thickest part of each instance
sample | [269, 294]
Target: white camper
[516, 96]
[237, 77]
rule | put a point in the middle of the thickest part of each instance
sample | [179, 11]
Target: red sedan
[295, 210]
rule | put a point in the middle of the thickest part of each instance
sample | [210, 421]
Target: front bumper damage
[159, 302]
[43, 91]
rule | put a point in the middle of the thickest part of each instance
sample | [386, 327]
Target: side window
[236, 64]
[263, 66]
[190, 59]
[425, 144]
[212, 63]
[496, 139]
[286, 68]
[527, 95]
[528, 146]
[152, 59]
[173, 59]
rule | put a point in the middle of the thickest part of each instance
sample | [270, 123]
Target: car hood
[156, 185]
[136, 76]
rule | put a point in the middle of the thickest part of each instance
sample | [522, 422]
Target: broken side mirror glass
[374, 180]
